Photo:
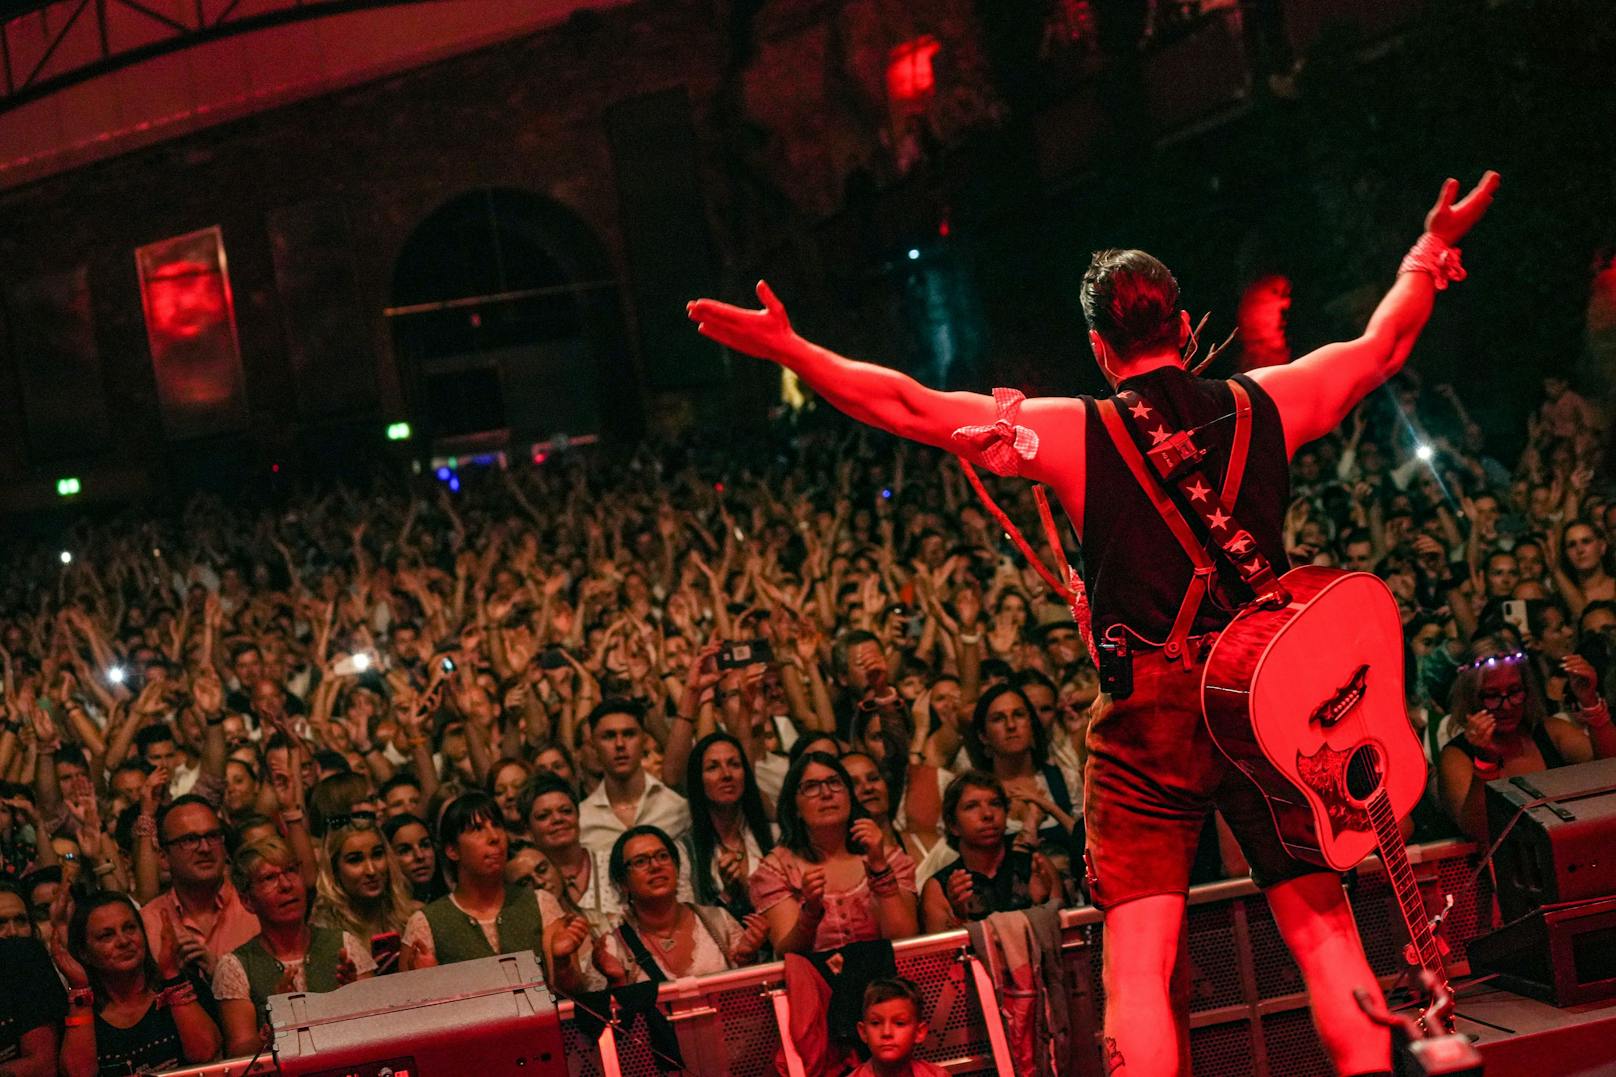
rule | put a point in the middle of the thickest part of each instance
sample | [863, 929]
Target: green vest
[457, 937]
[264, 971]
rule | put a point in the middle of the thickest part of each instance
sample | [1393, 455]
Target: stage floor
[1522, 1037]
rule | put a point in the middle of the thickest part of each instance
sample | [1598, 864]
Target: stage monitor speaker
[494, 1017]
[1565, 954]
[1559, 851]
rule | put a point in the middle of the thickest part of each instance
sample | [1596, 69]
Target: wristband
[1487, 768]
[146, 827]
[211, 722]
[79, 1020]
[1436, 259]
[290, 817]
[1597, 716]
[181, 994]
[105, 868]
[970, 639]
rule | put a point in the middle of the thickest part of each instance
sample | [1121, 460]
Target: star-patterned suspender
[1177, 460]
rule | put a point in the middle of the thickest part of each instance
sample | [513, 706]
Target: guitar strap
[1176, 462]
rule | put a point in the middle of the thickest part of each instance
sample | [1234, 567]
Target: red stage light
[186, 298]
[910, 76]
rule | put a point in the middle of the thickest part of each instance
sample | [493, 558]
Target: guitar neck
[1394, 855]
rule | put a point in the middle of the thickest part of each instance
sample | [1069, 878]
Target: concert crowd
[667, 714]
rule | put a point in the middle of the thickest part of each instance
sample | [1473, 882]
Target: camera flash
[115, 674]
[1424, 452]
[361, 661]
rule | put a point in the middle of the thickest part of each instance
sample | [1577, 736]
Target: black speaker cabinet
[1565, 954]
[493, 1018]
[1561, 851]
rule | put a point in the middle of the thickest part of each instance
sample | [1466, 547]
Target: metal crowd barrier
[1247, 1005]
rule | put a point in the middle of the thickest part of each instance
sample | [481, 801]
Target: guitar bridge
[1346, 697]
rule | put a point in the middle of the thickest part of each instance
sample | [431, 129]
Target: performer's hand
[1449, 220]
[764, 333]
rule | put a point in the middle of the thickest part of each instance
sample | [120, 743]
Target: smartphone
[385, 948]
[740, 653]
[1515, 614]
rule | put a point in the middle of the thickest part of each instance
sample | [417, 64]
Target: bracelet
[79, 1020]
[105, 868]
[181, 994]
[1435, 258]
[290, 817]
[1601, 715]
[970, 639]
[1487, 768]
[80, 997]
[882, 874]
[146, 827]
[211, 722]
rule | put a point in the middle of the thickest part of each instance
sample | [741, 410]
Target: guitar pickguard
[1324, 772]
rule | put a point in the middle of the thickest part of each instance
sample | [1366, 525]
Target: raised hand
[609, 965]
[764, 333]
[570, 937]
[1584, 681]
[813, 890]
[1449, 220]
[71, 968]
[208, 692]
[1479, 728]
[866, 832]
[959, 892]
[756, 930]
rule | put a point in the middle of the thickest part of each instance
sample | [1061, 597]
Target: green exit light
[67, 487]
[398, 432]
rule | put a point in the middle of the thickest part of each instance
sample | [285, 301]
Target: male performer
[1153, 769]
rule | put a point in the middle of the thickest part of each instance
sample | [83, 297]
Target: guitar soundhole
[1364, 772]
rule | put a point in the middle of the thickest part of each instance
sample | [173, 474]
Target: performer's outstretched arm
[1314, 393]
[892, 401]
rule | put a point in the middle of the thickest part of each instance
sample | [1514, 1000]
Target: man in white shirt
[627, 795]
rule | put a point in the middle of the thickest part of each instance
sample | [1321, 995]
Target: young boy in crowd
[894, 1022]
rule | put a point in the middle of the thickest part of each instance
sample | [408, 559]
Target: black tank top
[1135, 571]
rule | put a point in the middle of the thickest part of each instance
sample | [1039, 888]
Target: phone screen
[385, 949]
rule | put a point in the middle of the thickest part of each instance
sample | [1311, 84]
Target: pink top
[232, 926]
[849, 914]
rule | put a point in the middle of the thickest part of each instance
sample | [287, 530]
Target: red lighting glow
[185, 298]
[910, 77]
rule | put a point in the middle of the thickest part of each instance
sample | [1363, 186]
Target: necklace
[665, 941]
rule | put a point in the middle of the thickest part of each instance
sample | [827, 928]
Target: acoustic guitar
[1307, 701]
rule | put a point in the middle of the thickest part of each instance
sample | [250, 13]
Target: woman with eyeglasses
[550, 806]
[831, 880]
[288, 955]
[362, 889]
[660, 937]
[729, 828]
[1508, 729]
[411, 840]
[126, 1013]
